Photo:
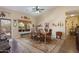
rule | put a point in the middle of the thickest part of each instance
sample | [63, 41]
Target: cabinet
[24, 27]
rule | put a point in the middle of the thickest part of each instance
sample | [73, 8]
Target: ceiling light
[37, 12]
[72, 15]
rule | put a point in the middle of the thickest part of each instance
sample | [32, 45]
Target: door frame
[10, 24]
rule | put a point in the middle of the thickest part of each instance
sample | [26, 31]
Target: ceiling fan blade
[41, 9]
[37, 8]
[33, 9]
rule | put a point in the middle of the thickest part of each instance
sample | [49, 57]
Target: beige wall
[55, 16]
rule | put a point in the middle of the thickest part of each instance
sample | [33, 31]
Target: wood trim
[25, 21]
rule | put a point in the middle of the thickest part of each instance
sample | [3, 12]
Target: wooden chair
[48, 36]
[42, 37]
[58, 35]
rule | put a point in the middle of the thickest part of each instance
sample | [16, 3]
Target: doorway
[71, 23]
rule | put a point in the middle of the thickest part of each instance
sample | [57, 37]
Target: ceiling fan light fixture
[37, 12]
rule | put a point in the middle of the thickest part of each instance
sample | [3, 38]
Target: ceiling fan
[36, 9]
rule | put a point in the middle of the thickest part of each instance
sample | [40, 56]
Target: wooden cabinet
[24, 27]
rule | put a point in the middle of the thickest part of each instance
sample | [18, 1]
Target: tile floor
[24, 45]
[69, 45]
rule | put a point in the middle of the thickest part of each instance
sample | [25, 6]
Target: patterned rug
[45, 47]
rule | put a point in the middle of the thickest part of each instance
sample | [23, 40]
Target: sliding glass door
[5, 25]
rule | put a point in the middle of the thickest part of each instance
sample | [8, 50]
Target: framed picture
[47, 25]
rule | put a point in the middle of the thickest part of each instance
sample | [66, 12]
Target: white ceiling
[28, 9]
